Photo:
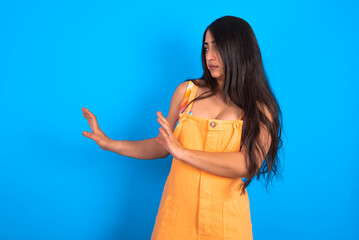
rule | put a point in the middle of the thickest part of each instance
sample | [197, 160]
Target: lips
[211, 67]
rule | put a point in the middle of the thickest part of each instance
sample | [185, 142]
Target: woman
[228, 128]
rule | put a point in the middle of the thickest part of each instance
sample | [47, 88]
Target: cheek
[222, 65]
[220, 61]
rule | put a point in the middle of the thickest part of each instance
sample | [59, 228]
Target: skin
[213, 59]
[226, 164]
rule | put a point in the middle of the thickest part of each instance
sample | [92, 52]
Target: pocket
[166, 219]
[236, 221]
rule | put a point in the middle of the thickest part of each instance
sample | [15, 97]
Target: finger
[167, 129]
[159, 120]
[165, 135]
[88, 113]
[164, 123]
[92, 120]
[164, 120]
[85, 110]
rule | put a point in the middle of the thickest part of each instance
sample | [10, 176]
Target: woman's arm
[226, 164]
[143, 149]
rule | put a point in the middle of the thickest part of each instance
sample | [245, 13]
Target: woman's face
[213, 58]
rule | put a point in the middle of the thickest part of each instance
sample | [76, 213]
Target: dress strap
[189, 95]
[186, 97]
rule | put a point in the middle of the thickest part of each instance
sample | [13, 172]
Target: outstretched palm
[97, 134]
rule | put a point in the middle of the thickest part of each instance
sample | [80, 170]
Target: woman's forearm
[142, 149]
[225, 164]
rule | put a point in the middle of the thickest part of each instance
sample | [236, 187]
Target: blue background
[123, 61]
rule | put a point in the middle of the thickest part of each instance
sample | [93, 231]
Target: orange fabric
[187, 96]
[196, 204]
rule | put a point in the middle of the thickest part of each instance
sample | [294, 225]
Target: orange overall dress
[195, 204]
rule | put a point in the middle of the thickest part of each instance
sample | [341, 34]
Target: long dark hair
[246, 84]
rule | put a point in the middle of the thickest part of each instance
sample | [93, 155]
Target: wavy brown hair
[246, 84]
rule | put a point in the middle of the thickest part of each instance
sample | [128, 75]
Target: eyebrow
[205, 43]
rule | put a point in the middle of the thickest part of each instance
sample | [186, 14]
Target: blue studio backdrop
[123, 60]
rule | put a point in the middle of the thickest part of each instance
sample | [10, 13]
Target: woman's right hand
[97, 134]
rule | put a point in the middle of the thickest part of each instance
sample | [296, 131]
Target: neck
[220, 83]
[219, 91]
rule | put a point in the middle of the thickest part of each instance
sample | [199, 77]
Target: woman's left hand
[170, 142]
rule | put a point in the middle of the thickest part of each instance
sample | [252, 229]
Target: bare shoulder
[181, 88]
[179, 92]
[176, 102]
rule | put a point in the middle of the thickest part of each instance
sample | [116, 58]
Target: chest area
[215, 108]
[211, 135]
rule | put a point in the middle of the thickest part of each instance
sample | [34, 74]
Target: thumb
[88, 134]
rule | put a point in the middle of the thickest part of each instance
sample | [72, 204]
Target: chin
[214, 75]
[217, 76]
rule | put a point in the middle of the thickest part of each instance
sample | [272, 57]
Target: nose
[210, 55]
